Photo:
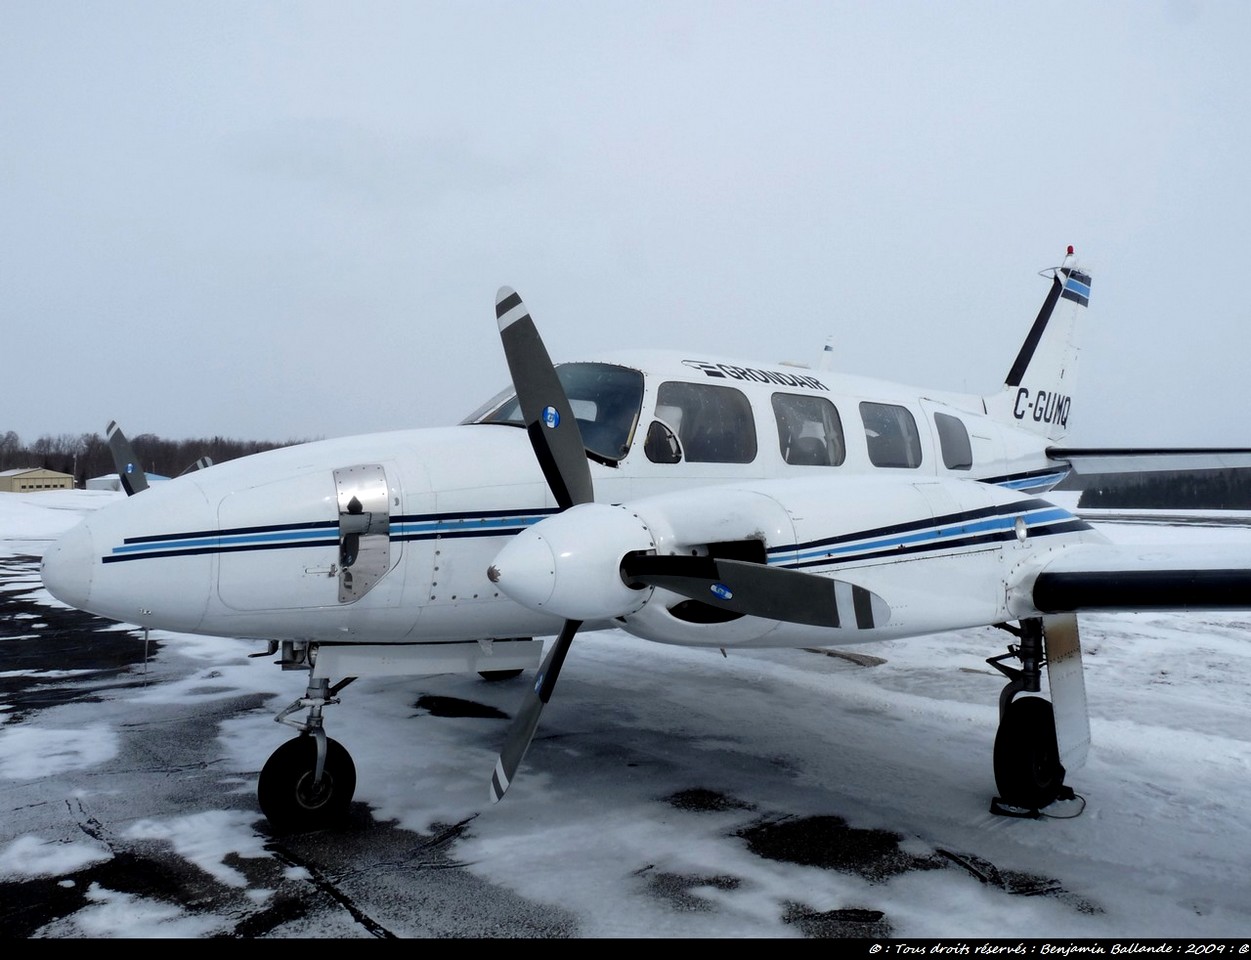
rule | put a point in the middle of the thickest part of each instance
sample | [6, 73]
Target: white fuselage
[256, 547]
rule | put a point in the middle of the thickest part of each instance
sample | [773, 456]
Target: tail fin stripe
[1035, 334]
[1077, 287]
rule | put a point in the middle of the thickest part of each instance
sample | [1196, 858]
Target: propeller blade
[129, 472]
[558, 447]
[526, 720]
[549, 418]
[757, 590]
[201, 464]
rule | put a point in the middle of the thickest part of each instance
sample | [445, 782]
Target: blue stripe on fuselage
[495, 523]
[986, 525]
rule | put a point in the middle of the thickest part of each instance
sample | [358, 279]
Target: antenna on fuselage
[827, 355]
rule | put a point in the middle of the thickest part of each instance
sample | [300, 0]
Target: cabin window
[953, 439]
[605, 400]
[713, 424]
[891, 432]
[810, 431]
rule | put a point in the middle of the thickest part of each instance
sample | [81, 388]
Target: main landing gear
[307, 783]
[1028, 772]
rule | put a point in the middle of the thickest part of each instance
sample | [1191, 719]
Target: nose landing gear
[308, 782]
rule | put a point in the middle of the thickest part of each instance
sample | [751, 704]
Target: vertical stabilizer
[1038, 392]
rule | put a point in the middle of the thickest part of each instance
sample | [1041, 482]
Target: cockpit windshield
[605, 399]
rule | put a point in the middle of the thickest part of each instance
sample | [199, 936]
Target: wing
[1091, 460]
[1122, 577]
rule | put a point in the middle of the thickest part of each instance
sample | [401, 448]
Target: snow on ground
[1157, 846]
[30, 521]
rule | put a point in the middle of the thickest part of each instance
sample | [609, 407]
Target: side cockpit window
[953, 438]
[605, 399]
[810, 431]
[713, 424]
[891, 433]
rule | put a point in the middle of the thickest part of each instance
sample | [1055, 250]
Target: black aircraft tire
[1028, 772]
[493, 675]
[285, 789]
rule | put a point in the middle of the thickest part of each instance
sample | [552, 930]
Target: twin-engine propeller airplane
[680, 497]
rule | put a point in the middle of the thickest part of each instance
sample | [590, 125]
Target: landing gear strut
[1028, 772]
[307, 783]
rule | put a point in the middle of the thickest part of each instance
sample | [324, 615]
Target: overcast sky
[289, 220]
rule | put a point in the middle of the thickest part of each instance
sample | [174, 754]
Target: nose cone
[69, 567]
[526, 570]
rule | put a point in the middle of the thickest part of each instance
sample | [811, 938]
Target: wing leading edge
[1088, 460]
[1132, 578]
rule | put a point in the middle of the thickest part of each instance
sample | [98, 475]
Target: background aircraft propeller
[126, 463]
[129, 472]
[201, 464]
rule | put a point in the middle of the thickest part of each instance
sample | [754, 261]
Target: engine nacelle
[941, 553]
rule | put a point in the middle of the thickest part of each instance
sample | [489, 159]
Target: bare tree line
[86, 455]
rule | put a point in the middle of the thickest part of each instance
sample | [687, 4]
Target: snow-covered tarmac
[669, 792]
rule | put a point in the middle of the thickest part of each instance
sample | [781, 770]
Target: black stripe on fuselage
[155, 540]
[233, 531]
[333, 524]
[1027, 475]
[894, 529]
[219, 548]
[902, 550]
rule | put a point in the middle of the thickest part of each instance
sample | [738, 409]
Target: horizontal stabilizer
[1089, 460]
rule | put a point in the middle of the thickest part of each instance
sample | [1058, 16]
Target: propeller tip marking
[509, 308]
[499, 781]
